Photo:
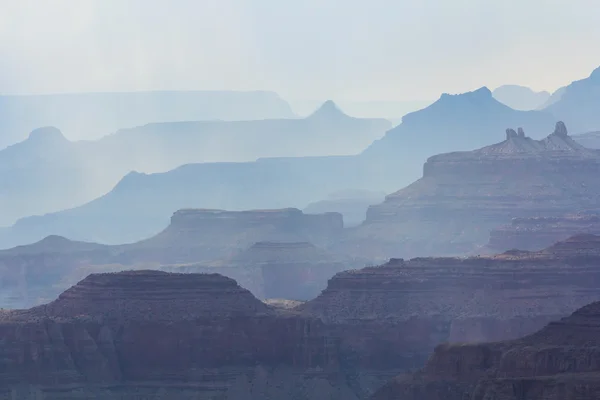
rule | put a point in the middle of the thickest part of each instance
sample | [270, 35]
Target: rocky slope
[557, 362]
[462, 196]
[536, 233]
[417, 304]
[179, 336]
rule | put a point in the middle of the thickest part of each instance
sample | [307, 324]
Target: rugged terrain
[462, 196]
[367, 326]
[409, 307]
[558, 362]
[155, 335]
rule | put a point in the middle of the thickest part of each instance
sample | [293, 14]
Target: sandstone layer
[462, 196]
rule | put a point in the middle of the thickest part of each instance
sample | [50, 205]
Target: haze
[303, 50]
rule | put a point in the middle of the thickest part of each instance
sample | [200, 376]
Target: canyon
[211, 338]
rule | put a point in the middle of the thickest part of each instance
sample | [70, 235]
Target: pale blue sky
[303, 49]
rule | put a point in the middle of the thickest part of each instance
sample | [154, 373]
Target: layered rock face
[409, 307]
[464, 195]
[558, 362]
[536, 233]
[207, 235]
[155, 335]
[272, 270]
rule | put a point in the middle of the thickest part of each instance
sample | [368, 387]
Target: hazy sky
[303, 49]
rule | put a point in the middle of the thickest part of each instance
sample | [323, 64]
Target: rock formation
[535, 233]
[453, 123]
[177, 336]
[558, 362]
[412, 306]
[462, 196]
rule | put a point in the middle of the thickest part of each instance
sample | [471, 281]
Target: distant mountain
[352, 204]
[579, 104]
[48, 173]
[91, 115]
[520, 97]
[164, 146]
[390, 110]
[453, 123]
[140, 205]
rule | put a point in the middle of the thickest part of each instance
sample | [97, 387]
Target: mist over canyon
[299, 201]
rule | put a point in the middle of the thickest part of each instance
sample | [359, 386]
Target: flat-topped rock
[462, 196]
[179, 336]
[557, 362]
[204, 235]
[153, 295]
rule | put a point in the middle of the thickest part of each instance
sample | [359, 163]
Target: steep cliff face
[410, 307]
[463, 196]
[536, 233]
[159, 335]
[558, 362]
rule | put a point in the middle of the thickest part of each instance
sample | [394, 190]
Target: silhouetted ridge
[48, 134]
[328, 110]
